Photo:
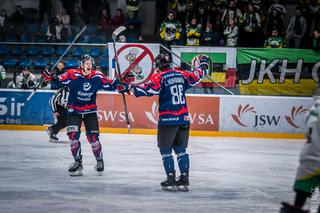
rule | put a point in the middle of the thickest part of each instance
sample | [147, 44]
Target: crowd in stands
[233, 23]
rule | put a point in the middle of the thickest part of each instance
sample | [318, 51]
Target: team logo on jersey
[295, 112]
[86, 86]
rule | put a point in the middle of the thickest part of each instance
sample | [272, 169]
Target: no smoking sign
[135, 62]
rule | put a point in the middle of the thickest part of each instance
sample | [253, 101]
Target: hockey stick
[210, 79]
[115, 33]
[57, 62]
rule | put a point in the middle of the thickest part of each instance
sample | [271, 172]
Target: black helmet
[85, 58]
[162, 61]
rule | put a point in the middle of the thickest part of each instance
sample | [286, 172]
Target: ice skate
[183, 182]
[170, 183]
[99, 167]
[75, 168]
[53, 137]
[288, 208]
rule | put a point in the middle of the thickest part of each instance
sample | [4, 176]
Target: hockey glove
[123, 87]
[46, 73]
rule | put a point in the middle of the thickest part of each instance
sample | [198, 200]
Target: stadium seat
[69, 38]
[71, 63]
[85, 39]
[105, 53]
[32, 51]
[47, 51]
[25, 38]
[53, 61]
[16, 51]
[39, 39]
[104, 63]
[99, 40]
[4, 50]
[9, 62]
[91, 29]
[25, 62]
[60, 50]
[40, 63]
[78, 51]
[11, 38]
[31, 28]
[94, 52]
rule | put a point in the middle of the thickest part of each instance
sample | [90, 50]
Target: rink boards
[210, 115]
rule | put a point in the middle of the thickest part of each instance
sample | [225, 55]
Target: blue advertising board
[15, 109]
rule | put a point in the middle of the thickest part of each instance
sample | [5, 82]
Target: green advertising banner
[266, 71]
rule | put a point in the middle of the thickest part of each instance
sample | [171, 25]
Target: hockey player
[308, 174]
[59, 70]
[58, 104]
[173, 124]
[83, 84]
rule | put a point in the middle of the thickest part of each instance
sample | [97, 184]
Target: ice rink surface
[228, 175]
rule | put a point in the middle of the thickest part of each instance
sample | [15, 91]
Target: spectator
[69, 6]
[314, 16]
[26, 80]
[252, 24]
[2, 75]
[207, 38]
[296, 30]
[133, 5]
[191, 12]
[231, 34]
[132, 19]
[170, 30]
[161, 8]
[118, 20]
[64, 19]
[279, 7]
[44, 8]
[181, 13]
[274, 41]
[54, 30]
[193, 33]
[274, 20]
[231, 13]
[17, 19]
[78, 20]
[104, 24]
[316, 40]
[4, 24]
[133, 34]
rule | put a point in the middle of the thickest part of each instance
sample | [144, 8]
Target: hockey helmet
[84, 58]
[162, 61]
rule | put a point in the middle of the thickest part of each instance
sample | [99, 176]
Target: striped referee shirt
[60, 98]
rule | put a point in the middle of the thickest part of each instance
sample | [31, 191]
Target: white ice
[228, 175]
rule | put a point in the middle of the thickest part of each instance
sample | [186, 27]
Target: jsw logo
[295, 116]
[86, 86]
[241, 118]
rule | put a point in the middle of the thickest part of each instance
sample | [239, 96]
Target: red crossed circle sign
[135, 62]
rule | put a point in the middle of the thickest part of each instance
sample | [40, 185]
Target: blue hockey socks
[182, 158]
[167, 160]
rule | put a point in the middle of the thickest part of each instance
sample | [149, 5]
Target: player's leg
[92, 132]
[166, 136]
[60, 124]
[180, 149]
[73, 130]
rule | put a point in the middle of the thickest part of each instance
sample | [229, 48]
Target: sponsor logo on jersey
[86, 86]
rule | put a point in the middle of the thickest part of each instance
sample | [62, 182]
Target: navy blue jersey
[83, 89]
[171, 86]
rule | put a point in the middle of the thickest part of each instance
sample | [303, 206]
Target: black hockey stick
[115, 33]
[210, 79]
[57, 62]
